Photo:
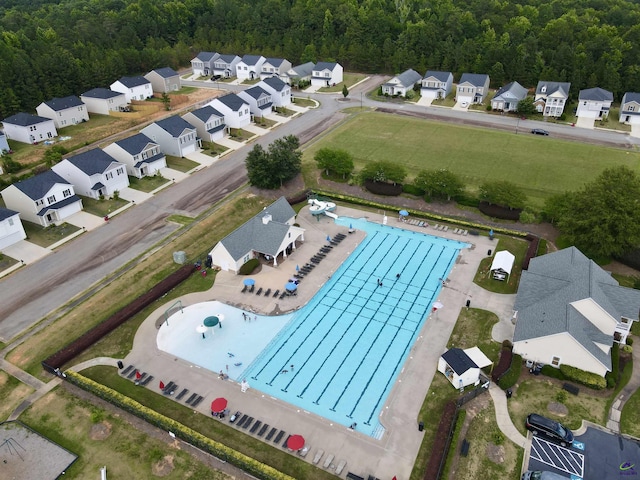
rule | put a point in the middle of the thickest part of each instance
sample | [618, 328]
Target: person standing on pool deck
[255, 318]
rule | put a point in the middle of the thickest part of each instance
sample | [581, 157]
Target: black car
[549, 428]
[539, 131]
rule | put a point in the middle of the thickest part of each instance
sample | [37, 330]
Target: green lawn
[304, 102]
[211, 148]
[265, 122]
[483, 277]
[102, 207]
[541, 166]
[180, 163]
[147, 184]
[6, 262]
[240, 135]
[47, 236]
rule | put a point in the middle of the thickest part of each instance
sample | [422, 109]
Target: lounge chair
[446, 228]
[182, 393]
[196, 401]
[247, 423]
[126, 370]
[267, 292]
[271, 433]
[303, 452]
[436, 226]
[259, 292]
[263, 429]
[465, 233]
[328, 460]
[242, 420]
[282, 295]
[244, 289]
[255, 427]
[132, 373]
[191, 398]
[317, 456]
[167, 387]
[276, 293]
[340, 467]
[286, 441]
[146, 381]
[252, 288]
[281, 434]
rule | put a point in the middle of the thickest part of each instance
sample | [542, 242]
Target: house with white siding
[225, 65]
[436, 85]
[401, 83]
[250, 67]
[64, 111]
[235, 110]
[134, 88]
[274, 67]
[208, 121]
[175, 136]
[508, 97]
[326, 74]
[259, 100]
[202, 64]
[103, 100]
[139, 153]
[28, 128]
[630, 108]
[594, 103]
[279, 90]
[4, 144]
[298, 73]
[551, 97]
[11, 228]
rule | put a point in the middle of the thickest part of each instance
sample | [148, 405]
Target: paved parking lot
[547, 455]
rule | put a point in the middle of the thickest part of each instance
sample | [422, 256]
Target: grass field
[540, 166]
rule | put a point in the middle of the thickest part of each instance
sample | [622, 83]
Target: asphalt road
[33, 292]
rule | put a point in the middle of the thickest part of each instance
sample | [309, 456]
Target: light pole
[360, 100]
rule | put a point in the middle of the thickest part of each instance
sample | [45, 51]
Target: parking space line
[562, 458]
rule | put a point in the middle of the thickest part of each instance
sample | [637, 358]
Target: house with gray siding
[507, 98]
[164, 80]
[402, 83]
[436, 85]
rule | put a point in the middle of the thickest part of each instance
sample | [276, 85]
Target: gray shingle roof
[556, 280]
[6, 213]
[304, 70]
[56, 206]
[475, 79]
[131, 82]
[251, 59]
[553, 87]
[255, 235]
[631, 97]
[103, 93]
[511, 91]
[458, 360]
[174, 125]
[92, 161]
[206, 112]
[409, 78]
[135, 144]
[25, 119]
[37, 186]
[325, 66]
[596, 94]
[275, 83]
[165, 72]
[440, 76]
[206, 56]
[59, 104]
[233, 101]
[227, 58]
[276, 62]
[256, 92]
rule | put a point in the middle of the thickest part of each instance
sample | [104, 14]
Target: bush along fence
[73, 349]
[240, 460]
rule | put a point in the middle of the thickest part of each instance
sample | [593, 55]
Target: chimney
[266, 218]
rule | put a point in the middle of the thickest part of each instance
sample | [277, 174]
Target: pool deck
[395, 453]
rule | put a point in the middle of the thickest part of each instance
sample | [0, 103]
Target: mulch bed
[439, 449]
[504, 363]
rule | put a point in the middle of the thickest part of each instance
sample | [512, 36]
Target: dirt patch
[164, 467]
[558, 409]
[100, 431]
[495, 453]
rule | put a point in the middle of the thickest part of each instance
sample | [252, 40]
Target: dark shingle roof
[276, 62]
[408, 78]
[136, 144]
[59, 104]
[6, 213]
[552, 87]
[37, 187]
[174, 125]
[511, 90]
[275, 83]
[93, 161]
[458, 360]
[440, 76]
[131, 82]
[62, 203]
[304, 70]
[251, 59]
[206, 112]
[475, 79]
[227, 58]
[325, 66]
[102, 93]
[632, 97]
[25, 119]
[233, 101]
[165, 72]
[596, 94]
[256, 92]
[206, 56]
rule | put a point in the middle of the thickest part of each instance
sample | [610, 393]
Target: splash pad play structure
[319, 207]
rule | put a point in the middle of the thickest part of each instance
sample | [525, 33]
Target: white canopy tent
[502, 264]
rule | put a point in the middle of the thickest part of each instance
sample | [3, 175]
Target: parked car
[539, 475]
[549, 428]
[539, 131]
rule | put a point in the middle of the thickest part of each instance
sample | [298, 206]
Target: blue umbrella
[297, 268]
[328, 238]
[404, 213]
[249, 281]
[350, 226]
[291, 287]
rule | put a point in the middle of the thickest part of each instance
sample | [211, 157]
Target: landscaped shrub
[462, 414]
[413, 190]
[249, 267]
[532, 250]
[383, 188]
[587, 379]
[613, 376]
[468, 199]
[512, 375]
[629, 340]
[497, 211]
[528, 217]
[248, 464]
[552, 372]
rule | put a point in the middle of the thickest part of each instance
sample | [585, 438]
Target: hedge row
[248, 464]
[441, 443]
[462, 414]
[587, 379]
[532, 251]
[497, 211]
[613, 376]
[421, 214]
[511, 376]
[380, 188]
[80, 344]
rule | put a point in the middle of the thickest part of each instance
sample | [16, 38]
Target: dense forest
[60, 47]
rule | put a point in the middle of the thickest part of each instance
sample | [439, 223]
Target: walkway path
[613, 423]
[502, 416]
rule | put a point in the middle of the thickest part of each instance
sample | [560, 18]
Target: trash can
[468, 303]
[421, 426]
[489, 253]
[509, 392]
[120, 364]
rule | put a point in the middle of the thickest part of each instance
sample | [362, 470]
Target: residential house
[134, 88]
[208, 121]
[270, 234]
[274, 67]
[28, 128]
[202, 65]
[472, 88]
[139, 153]
[436, 85]
[594, 103]
[250, 67]
[11, 229]
[93, 173]
[44, 199]
[462, 367]
[235, 110]
[164, 80]
[299, 73]
[551, 97]
[279, 90]
[175, 136]
[507, 98]
[402, 83]
[226, 66]
[4, 144]
[326, 74]
[104, 100]
[64, 111]
[569, 311]
[259, 100]
[630, 108]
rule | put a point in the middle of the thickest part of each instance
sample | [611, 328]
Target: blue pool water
[348, 344]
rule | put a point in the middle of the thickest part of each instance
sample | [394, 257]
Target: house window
[66, 193]
[39, 203]
[11, 222]
[109, 175]
[555, 362]
[632, 108]
[51, 199]
[120, 171]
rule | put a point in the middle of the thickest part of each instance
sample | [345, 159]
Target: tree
[384, 172]
[345, 91]
[526, 106]
[166, 101]
[340, 162]
[273, 167]
[441, 183]
[603, 218]
[503, 193]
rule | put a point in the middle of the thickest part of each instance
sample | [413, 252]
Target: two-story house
[274, 67]
[64, 111]
[11, 229]
[472, 88]
[249, 67]
[507, 98]
[326, 74]
[551, 97]
[299, 73]
[44, 199]
[164, 80]
[208, 121]
[259, 101]
[175, 136]
[235, 110]
[436, 85]
[28, 128]
[630, 108]
[134, 88]
[279, 90]
[401, 83]
[139, 153]
[93, 173]
[594, 103]
[202, 64]
[225, 65]
[4, 144]
[104, 100]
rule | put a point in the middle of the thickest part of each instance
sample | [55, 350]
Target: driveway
[461, 106]
[202, 158]
[425, 101]
[584, 122]
[133, 195]
[26, 251]
[175, 175]
[255, 129]
[85, 220]
[635, 131]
